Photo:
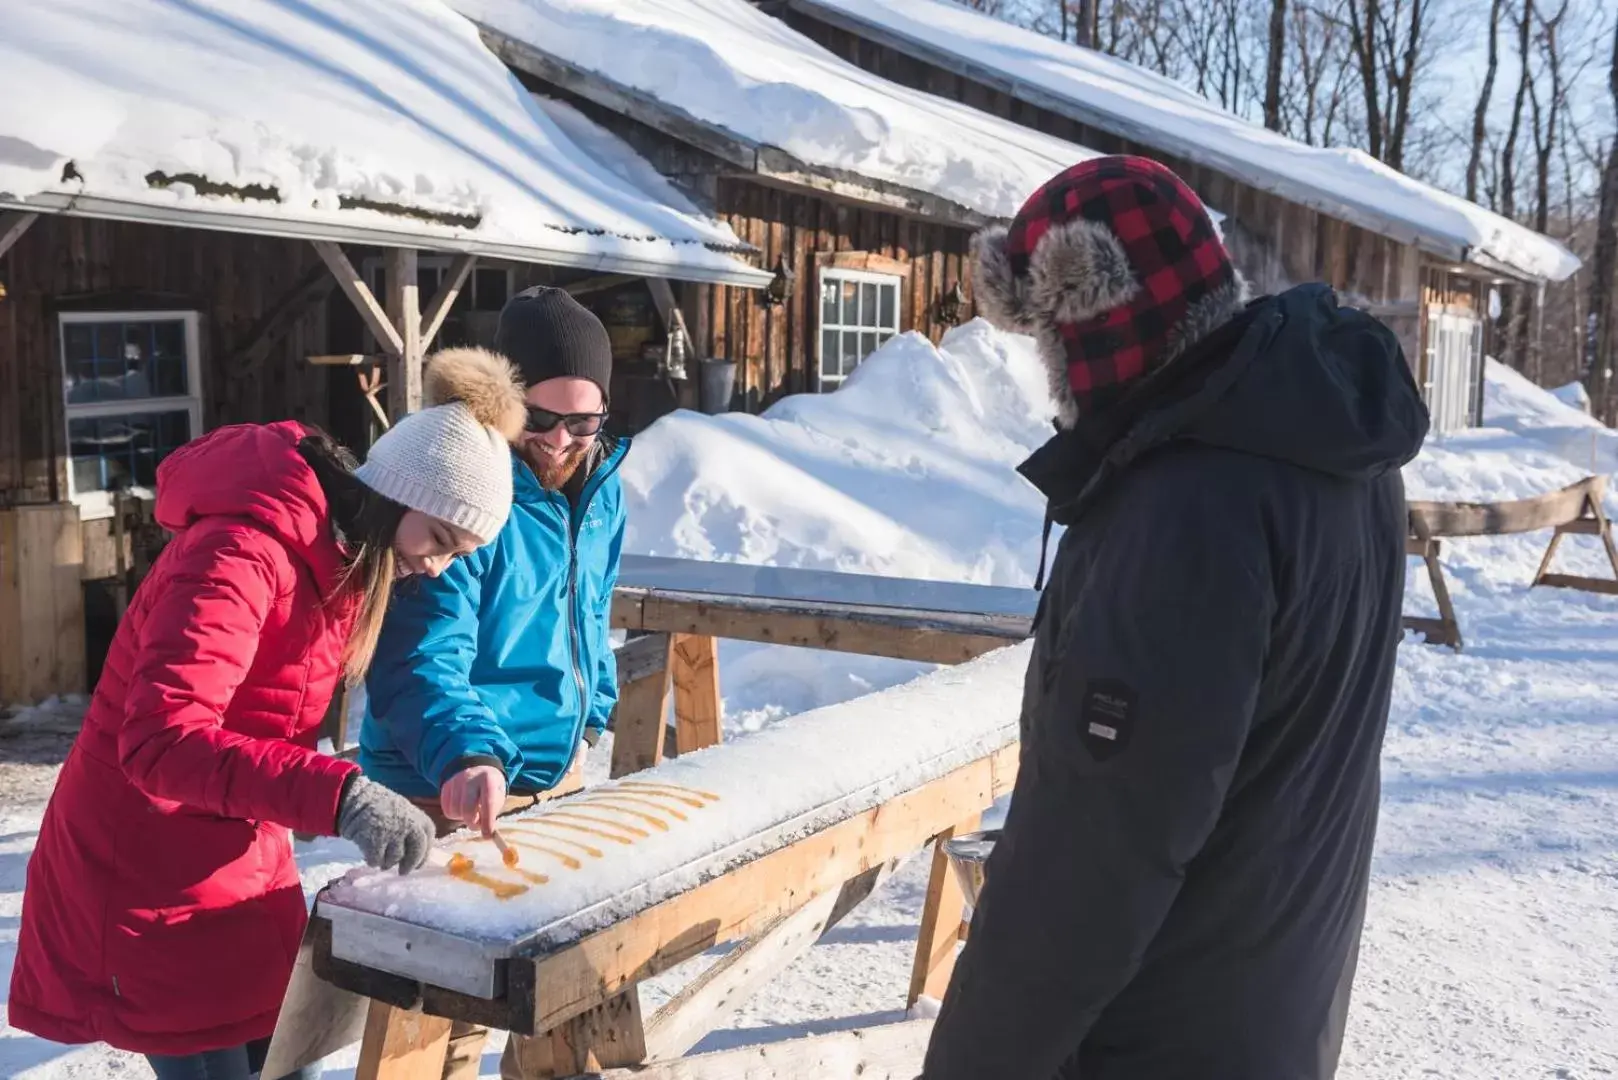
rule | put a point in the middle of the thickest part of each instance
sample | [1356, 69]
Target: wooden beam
[639, 723]
[309, 291]
[708, 1000]
[404, 311]
[694, 670]
[607, 1036]
[1503, 518]
[940, 922]
[432, 320]
[887, 1052]
[359, 294]
[669, 311]
[742, 902]
[343, 359]
[934, 638]
[401, 1044]
[599, 284]
[641, 656]
[13, 223]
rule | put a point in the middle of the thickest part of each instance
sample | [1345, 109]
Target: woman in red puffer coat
[163, 911]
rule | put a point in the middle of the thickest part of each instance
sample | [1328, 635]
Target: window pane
[867, 344]
[830, 358]
[890, 303]
[868, 304]
[491, 288]
[851, 350]
[851, 300]
[828, 300]
[122, 360]
[113, 451]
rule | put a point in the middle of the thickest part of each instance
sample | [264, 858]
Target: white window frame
[95, 504]
[1452, 379]
[862, 277]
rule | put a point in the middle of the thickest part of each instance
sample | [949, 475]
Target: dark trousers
[236, 1063]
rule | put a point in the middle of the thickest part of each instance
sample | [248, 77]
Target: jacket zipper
[575, 519]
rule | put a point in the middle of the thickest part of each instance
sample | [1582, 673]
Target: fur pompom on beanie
[1115, 268]
[452, 459]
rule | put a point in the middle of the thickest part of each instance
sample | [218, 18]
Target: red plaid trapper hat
[1115, 266]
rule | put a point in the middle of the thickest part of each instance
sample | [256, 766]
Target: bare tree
[1387, 38]
[1480, 115]
[1508, 156]
[1084, 28]
[1603, 303]
[1277, 58]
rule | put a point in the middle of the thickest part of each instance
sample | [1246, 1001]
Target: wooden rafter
[432, 320]
[359, 294]
[13, 223]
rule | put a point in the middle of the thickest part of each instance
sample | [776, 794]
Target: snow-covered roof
[722, 65]
[1157, 112]
[385, 121]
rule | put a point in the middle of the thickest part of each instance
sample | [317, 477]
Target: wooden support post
[642, 714]
[608, 1036]
[694, 667]
[404, 312]
[719, 991]
[13, 223]
[432, 320]
[940, 922]
[401, 1044]
[359, 294]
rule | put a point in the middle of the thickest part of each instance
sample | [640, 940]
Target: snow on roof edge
[1398, 227]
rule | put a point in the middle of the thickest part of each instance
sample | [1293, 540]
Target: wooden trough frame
[1574, 510]
[585, 995]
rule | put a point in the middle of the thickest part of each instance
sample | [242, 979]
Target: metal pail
[968, 854]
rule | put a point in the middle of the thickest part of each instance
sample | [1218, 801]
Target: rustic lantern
[950, 304]
[780, 286]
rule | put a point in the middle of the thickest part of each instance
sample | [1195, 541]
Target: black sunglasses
[581, 424]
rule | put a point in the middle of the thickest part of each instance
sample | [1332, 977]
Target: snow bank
[725, 63]
[317, 111]
[1157, 112]
[823, 767]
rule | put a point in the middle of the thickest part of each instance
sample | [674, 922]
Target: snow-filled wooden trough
[769, 839]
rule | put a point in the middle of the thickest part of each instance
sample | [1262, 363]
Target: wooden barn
[1425, 261]
[151, 290]
[860, 195]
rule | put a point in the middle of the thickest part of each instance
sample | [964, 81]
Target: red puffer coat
[163, 910]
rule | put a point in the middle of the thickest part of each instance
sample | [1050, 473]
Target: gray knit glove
[388, 828]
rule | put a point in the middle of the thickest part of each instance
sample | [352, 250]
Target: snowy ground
[1490, 950]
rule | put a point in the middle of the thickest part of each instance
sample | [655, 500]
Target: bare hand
[474, 796]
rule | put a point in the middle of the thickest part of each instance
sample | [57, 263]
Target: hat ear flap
[1077, 271]
[1001, 296]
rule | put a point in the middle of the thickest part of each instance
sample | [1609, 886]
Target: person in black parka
[1180, 885]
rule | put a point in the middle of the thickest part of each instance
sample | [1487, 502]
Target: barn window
[472, 317]
[1454, 368]
[859, 311]
[132, 386]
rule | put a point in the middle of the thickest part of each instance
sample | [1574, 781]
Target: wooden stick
[508, 854]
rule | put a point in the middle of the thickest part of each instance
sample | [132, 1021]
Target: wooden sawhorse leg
[608, 1036]
[940, 922]
[402, 1044]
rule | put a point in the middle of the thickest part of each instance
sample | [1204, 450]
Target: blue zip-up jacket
[504, 658]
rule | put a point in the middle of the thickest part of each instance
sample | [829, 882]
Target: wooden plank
[432, 320]
[41, 603]
[708, 1000]
[804, 307]
[343, 360]
[641, 656]
[940, 922]
[400, 1044]
[1606, 586]
[888, 1052]
[694, 670]
[13, 223]
[607, 1036]
[835, 628]
[743, 901]
[640, 719]
[359, 294]
[404, 311]
[1503, 518]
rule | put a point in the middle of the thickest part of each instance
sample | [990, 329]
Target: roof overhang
[1393, 227]
[223, 219]
[768, 164]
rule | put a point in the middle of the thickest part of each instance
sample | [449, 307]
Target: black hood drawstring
[1044, 546]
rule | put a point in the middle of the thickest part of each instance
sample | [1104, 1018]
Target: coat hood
[1295, 377]
[253, 471]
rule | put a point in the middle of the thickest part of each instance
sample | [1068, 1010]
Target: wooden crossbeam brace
[359, 294]
[13, 223]
[432, 320]
[311, 289]
[673, 322]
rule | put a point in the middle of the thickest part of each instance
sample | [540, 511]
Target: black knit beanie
[548, 334]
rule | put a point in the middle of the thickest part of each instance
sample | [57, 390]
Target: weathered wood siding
[1275, 243]
[775, 345]
[78, 264]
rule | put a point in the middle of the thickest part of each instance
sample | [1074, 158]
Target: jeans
[236, 1063]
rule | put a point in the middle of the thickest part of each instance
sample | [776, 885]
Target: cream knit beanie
[452, 459]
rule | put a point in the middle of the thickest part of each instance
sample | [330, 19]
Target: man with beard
[492, 680]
